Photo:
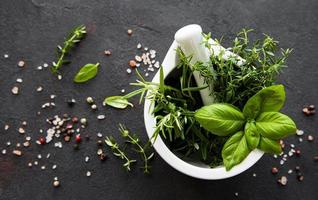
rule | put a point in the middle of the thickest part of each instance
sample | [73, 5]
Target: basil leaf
[86, 73]
[117, 102]
[266, 100]
[275, 125]
[269, 146]
[235, 150]
[252, 135]
[220, 119]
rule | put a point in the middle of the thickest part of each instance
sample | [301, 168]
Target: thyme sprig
[74, 37]
[233, 83]
[118, 152]
[141, 150]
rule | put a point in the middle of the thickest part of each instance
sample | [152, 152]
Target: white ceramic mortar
[189, 38]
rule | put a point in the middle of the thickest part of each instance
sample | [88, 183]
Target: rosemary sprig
[74, 37]
[110, 141]
[134, 140]
[174, 110]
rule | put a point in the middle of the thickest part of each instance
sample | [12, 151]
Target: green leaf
[86, 73]
[266, 100]
[220, 119]
[252, 135]
[275, 125]
[235, 150]
[117, 102]
[269, 146]
[109, 141]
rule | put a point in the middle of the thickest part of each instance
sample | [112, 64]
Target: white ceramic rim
[204, 172]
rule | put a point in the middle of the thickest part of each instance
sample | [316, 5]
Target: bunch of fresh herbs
[220, 133]
[235, 84]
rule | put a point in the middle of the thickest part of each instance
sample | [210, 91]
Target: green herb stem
[135, 141]
[110, 141]
[74, 37]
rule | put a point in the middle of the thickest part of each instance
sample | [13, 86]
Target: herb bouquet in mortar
[215, 107]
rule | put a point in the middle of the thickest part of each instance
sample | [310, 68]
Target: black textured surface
[30, 30]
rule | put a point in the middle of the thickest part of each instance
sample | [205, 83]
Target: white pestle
[190, 39]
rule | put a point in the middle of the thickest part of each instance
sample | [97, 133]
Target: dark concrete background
[30, 30]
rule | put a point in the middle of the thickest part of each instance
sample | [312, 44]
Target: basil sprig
[221, 119]
[86, 73]
[260, 125]
[266, 100]
[235, 150]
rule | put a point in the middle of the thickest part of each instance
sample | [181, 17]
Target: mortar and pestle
[189, 39]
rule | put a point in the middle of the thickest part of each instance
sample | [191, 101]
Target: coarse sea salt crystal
[101, 117]
[88, 173]
[138, 58]
[4, 151]
[157, 64]
[299, 132]
[152, 52]
[58, 144]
